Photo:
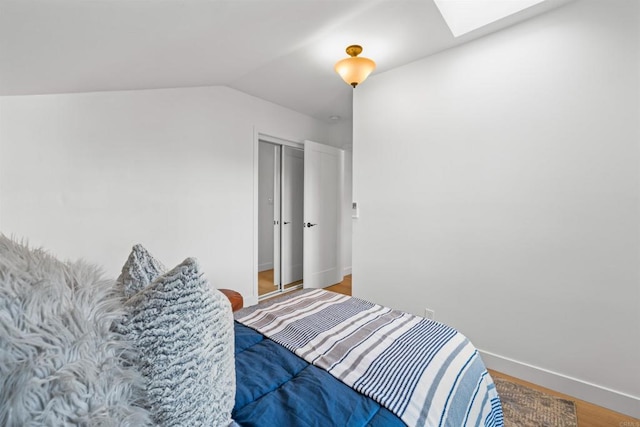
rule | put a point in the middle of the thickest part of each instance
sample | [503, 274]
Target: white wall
[341, 132]
[89, 175]
[499, 185]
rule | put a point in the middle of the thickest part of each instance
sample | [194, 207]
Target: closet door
[292, 209]
[323, 187]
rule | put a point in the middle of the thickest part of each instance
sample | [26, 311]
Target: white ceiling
[279, 50]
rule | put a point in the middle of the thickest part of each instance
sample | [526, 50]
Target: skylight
[463, 16]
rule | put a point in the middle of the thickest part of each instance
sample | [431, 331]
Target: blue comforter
[274, 387]
[424, 372]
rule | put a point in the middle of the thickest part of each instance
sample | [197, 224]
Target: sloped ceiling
[280, 50]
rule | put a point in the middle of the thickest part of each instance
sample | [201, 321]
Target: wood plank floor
[343, 287]
[589, 415]
[265, 283]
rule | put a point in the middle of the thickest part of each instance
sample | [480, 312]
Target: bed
[316, 358]
[160, 347]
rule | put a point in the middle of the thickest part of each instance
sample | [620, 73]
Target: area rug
[526, 407]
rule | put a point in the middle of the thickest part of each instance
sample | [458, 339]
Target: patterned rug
[525, 407]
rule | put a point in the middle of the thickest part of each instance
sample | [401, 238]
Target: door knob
[309, 225]
[285, 223]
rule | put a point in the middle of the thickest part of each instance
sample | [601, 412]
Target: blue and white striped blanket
[426, 373]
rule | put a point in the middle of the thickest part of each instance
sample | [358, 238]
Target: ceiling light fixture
[354, 70]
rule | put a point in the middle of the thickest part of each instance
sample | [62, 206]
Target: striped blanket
[426, 373]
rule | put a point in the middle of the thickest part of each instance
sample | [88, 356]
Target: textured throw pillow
[140, 269]
[183, 329]
[60, 361]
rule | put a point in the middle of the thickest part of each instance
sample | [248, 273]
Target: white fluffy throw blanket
[60, 361]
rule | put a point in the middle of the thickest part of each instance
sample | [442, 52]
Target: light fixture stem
[354, 50]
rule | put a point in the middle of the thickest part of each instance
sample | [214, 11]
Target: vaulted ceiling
[282, 51]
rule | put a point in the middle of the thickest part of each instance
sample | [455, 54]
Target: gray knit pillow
[183, 329]
[140, 269]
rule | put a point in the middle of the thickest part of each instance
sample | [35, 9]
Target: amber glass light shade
[354, 70]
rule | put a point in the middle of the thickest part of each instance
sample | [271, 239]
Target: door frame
[257, 137]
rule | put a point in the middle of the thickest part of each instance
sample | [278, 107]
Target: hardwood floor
[343, 287]
[589, 415]
[265, 282]
[266, 285]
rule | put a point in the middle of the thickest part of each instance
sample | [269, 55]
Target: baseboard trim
[265, 266]
[346, 271]
[249, 301]
[598, 395]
